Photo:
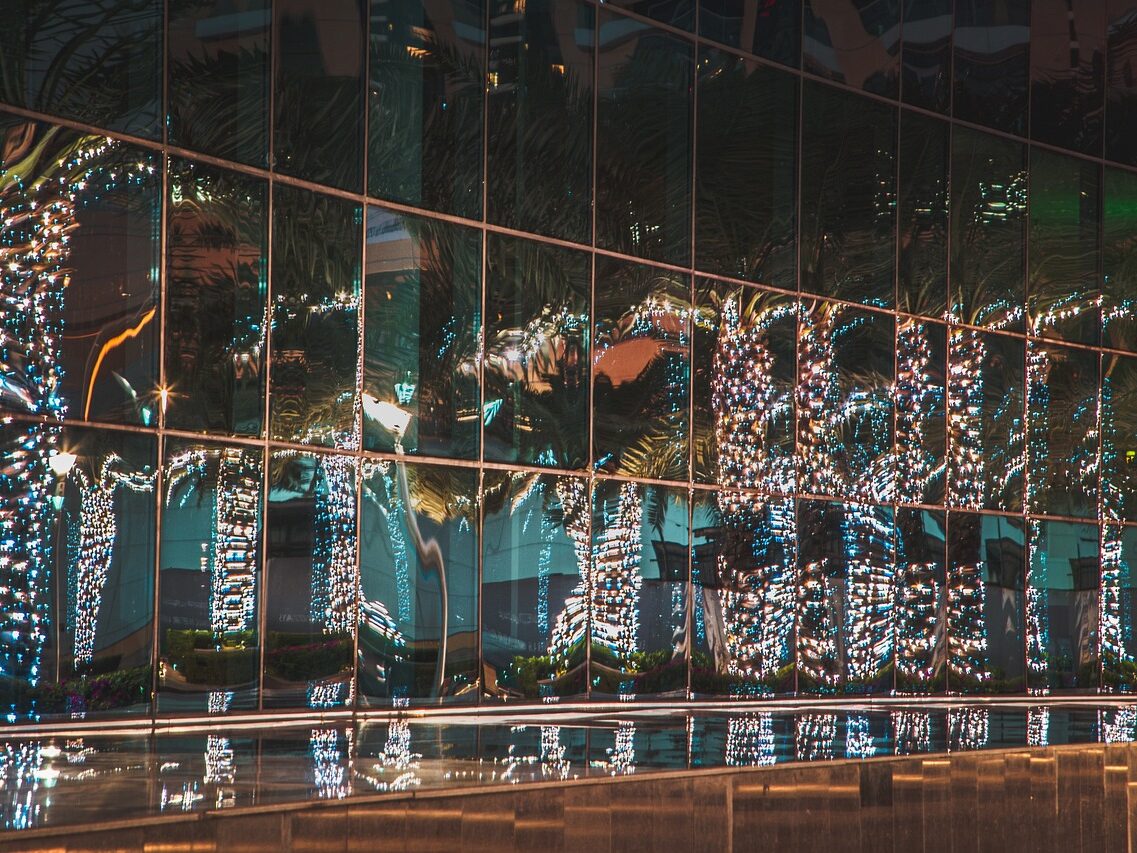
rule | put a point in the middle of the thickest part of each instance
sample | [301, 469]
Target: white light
[388, 415]
[62, 463]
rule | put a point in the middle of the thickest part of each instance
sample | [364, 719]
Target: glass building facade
[370, 355]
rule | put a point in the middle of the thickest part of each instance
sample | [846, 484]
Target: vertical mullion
[483, 288]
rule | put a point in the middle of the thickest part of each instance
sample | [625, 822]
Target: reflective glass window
[920, 605]
[1120, 81]
[311, 576]
[94, 61]
[991, 63]
[771, 29]
[423, 315]
[1062, 430]
[988, 229]
[210, 578]
[1117, 603]
[218, 71]
[745, 177]
[920, 398]
[536, 361]
[1118, 438]
[540, 118]
[986, 637]
[856, 43]
[924, 219]
[985, 420]
[318, 91]
[744, 380]
[641, 357]
[315, 317]
[1063, 292]
[636, 601]
[425, 100]
[217, 274]
[535, 565]
[1062, 600]
[1067, 74]
[744, 551]
[677, 13]
[1119, 260]
[643, 153]
[848, 201]
[418, 607]
[925, 54]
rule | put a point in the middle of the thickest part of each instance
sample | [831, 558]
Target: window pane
[925, 54]
[641, 371]
[848, 216]
[985, 421]
[219, 77]
[425, 101]
[745, 363]
[311, 579]
[1062, 607]
[423, 314]
[921, 402]
[536, 364]
[992, 63]
[989, 215]
[1063, 293]
[856, 43]
[1067, 71]
[986, 559]
[319, 91]
[540, 118]
[1062, 430]
[94, 61]
[643, 181]
[745, 190]
[1118, 450]
[743, 569]
[1119, 260]
[771, 30]
[1118, 601]
[210, 578]
[418, 620]
[217, 261]
[535, 537]
[636, 602]
[922, 275]
[678, 13]
[315, 317]
[921, 601]
[1121, 83]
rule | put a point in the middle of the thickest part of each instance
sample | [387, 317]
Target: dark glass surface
[1063, 591]
[539, 117]
[423, 314]
[318, 91]
[925, 54]
[216, 281]
[848, 196]
[991, 63]
[643, 154]
[1067, 74]
[745, 176]
[635, 604]
[537, 351]
[311, 578]
[1062, 430]
[744, 380]
[315, 318]
[1063, 290]
[534, 567]
[418, 609]
[425, 102]
[920, 601]
[1118, 455]
[93, 61]
[1118, 598]
[924, 216]
[641, 371]
[1121, 81]
[856, 42]
[1119, 260]
[208, 633]
[770, 29]
[846, 361]
[677, 13]
[986, 568]
[920, 398]
[218, 71]
[985, 420]
[988, 229]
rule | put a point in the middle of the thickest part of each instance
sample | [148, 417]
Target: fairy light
[1037, 610]
[750, 741]
[967, 352]
[815, 736]
[859, 741]
[918, 397]
[331, 762]
[911, 732]
[1038, 726]
[968, 728]
[869, 561]
[554, 754]
[1117, 725]
[967, 639]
